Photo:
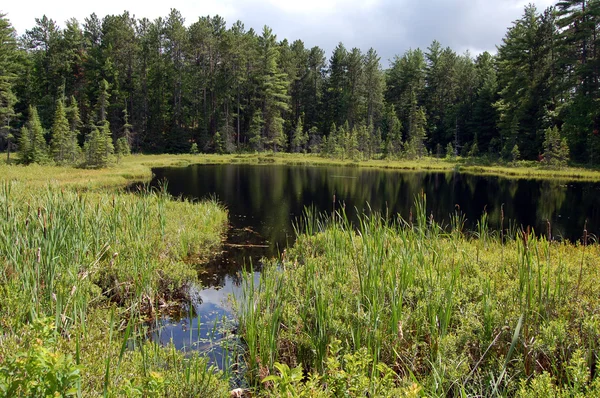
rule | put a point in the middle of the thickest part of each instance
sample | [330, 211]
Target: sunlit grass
[455, 313]
[83, 265]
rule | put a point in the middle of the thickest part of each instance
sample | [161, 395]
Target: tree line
[89, 90]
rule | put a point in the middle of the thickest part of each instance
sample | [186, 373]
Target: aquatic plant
[440, 308]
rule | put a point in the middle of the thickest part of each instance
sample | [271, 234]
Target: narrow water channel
[264, 201]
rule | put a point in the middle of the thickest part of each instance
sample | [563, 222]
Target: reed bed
[80, 272]
[408, 308]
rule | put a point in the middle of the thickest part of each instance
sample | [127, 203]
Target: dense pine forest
[95, 87]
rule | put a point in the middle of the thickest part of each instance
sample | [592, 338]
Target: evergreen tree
[525, 80]
[92, 148]
[275, 97]
[63, 143]
[122, 148]
[405, 82]
[8, 69]
[578, 45]
[300, 138]
[218, 143]
[32, 144]
[393, 131]
[485, 118]
[102, 104]
[556, 151]
[255, 133]
[416, 132]
[98, 147]
[335, 90]
[374, 87]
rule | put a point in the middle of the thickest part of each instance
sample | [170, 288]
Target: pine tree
[32, 144]
[416, 132]
[526, 82]
[300, 138]
[8, 68]
[556, 150]
[255, 132]
[122, 148]
[374, 87]
[579, 46]
[377, 143]
[393, 131]
[274, 86]
[61, 143]
[102, 104]
[98, 147]
[108, 148]
[351, 144]
[92, 148]
[218, 143]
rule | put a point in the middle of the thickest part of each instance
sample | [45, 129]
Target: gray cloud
[392, 27]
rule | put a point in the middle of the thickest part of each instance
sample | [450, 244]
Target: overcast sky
[389, 26]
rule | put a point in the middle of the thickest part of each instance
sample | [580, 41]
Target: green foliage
[38, 369]
[450, 151]
[8, 74]
[515, 154]
[219, 144]
[32, 144]
[256, 127]
[182, 84]
[274, 91]
[98, 147]
[474, 150]
[63, 141]
[76, 253]
[122, 148]
[556, 150]
[410, 295]
[194, 149]
[353, 375]
[300, 138]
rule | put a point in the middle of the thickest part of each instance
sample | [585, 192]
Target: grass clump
[80, 273]
[439, 312]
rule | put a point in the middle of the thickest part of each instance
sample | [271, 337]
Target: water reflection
[267, 199]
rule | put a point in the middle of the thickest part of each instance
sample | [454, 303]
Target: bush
[38, 369]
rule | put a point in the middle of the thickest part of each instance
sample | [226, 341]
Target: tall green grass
[453, 314]
[69, 256]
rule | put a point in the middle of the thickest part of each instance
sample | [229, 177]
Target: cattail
[502, 223]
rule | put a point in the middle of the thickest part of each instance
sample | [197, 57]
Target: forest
[167, 86]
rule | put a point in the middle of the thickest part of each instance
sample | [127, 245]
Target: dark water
[264, 201]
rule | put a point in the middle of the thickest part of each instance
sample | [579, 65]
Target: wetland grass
[437, 311]
[80, 272]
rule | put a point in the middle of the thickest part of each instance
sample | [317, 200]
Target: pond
[264, 201]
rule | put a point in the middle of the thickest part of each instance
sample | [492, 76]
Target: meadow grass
[83, 265]
[407, 308]
[139, 168]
